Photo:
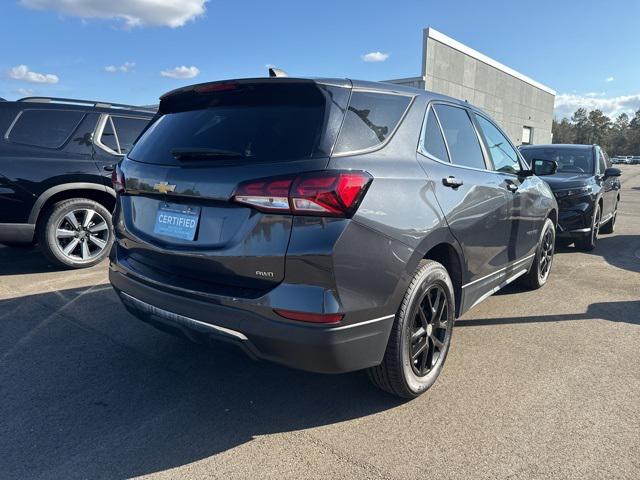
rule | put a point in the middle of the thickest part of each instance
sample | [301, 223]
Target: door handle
[109, 168]
[452, 182]
[512, 187]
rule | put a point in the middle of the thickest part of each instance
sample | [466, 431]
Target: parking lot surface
[541, 384]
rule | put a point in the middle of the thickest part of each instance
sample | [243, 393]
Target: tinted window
[259, 122]
[503, 155]
[570, 160]
[464, 146]
[433, 142]
[370, 119]
[45, 128]
[108, 137]
[128, 130]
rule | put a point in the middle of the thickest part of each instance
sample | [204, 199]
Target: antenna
[276, 72]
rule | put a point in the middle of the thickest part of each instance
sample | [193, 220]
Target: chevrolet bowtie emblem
[164, 187]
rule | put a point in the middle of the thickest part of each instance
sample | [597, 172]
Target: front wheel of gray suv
[420, 336]
[540, 269]
[75, 233]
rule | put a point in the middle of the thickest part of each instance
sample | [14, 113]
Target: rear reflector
[327, 193]
[325, 318]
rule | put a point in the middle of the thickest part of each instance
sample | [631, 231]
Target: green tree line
[618, 137]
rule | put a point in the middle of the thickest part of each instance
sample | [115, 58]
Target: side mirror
[612, 172]
[544, 167]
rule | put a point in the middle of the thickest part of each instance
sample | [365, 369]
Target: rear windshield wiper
[196, 153]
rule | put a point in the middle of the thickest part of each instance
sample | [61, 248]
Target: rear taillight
[117, 179]
[328, 193]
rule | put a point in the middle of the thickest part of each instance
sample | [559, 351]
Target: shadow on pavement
[621, 251]
[626, 312]
[89, 392]
[23, 260]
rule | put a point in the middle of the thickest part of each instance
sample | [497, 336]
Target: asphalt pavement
[538, 385]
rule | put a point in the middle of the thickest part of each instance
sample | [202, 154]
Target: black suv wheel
[421, 334]
[588, 242]
[538, 274]
[610, 226]
[76, 233]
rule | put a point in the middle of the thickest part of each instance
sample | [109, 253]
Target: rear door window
[433, 141]
[128, 129]
[370, 120]
[44, 128]
[461, 136]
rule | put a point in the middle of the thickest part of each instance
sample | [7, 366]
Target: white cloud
[595, 94]
[25, 92]
[181, 72]
[609, 79]
[375, 57]
[567, 103]
[134, 13]
[126, 67]
[22, 72]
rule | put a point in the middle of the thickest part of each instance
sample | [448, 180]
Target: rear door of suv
[475, 201]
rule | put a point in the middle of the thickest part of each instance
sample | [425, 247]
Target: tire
[57, 231]
[398, 374]
[588, 242]
[610, 226]
[540, 269]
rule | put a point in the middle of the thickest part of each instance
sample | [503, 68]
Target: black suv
[329, 225]
[56, 158]
[587, 188]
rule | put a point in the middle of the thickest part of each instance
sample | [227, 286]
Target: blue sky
[588, 51]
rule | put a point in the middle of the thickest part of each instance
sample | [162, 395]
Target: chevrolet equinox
[328, 225]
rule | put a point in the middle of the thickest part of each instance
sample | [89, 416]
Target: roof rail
[91, 103]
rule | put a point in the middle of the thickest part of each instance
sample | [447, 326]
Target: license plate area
[177, 221]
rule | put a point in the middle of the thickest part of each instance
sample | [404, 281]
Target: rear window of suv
[44, 128]
[370, 120]
[257, 122]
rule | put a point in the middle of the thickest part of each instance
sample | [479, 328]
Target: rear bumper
[252, 326]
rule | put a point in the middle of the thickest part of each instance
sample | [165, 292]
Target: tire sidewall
[548, 225]
[57, 211]
[435, 274]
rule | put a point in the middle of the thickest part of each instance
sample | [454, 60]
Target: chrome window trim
[97, 134]
[451, 164]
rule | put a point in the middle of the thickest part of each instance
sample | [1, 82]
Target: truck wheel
[610, 226]
[539, 271]
[420, 336]
[588, 242]
[75, 233]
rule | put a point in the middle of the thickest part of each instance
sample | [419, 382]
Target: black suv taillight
[328, 193]
[117, 179]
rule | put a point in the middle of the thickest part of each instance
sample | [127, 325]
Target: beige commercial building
[521, 105]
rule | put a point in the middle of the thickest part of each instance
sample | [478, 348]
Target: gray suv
[328, 225]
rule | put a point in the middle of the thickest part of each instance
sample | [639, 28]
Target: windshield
[264, 123]
[570, 160]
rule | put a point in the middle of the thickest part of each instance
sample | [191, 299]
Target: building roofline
[450, 42]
